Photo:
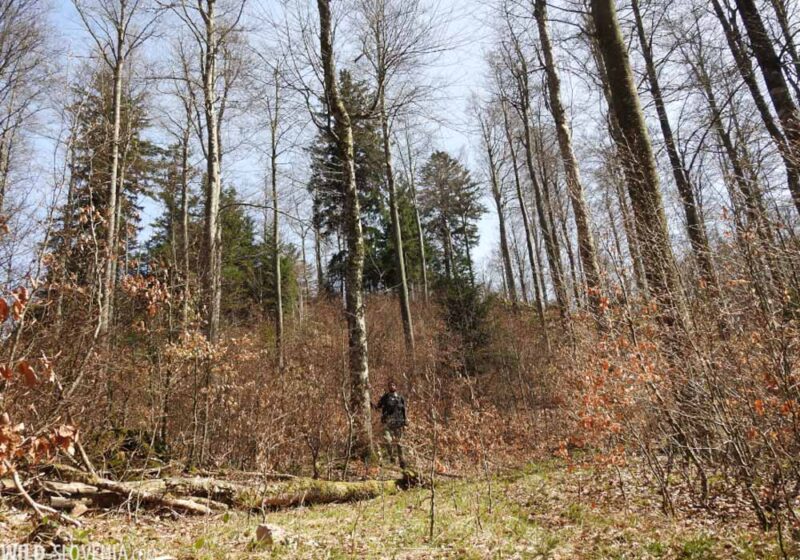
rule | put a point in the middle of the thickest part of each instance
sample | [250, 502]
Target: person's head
[391, 386]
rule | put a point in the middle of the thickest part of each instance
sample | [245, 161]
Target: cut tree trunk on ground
[146, 493]
[204, 495]
[308, 491]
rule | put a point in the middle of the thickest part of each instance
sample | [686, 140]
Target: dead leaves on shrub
[21, 298]
[32, 372]
[15, 447]
[28, 373]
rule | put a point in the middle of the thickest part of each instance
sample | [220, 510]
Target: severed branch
[38, 508]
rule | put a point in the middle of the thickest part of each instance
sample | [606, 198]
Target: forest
[544, 253]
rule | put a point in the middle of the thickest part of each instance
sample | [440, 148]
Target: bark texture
[212, 277]
[772, 71]
[360, 409]
[586, 245]
[642, 174]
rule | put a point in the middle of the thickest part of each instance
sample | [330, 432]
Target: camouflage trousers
[392, 434]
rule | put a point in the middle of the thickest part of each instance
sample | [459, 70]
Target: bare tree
[746, 194]
[744, 65]
[23, 76]
[213, 28]
[643, 180]
[516, 62]
[118, 27]
[539, 290]
[488, 129]
[274, 109]
[342, 131]
[182, 125]
[586, 246]
[775, 80]
[694, 221]
[396, 36]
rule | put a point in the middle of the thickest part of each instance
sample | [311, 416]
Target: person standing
[393, 417]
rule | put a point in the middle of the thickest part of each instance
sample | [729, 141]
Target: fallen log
[61, 503]
[308, 491]
[68, 488]
[203, 495]
[144, 496]
[203, 487]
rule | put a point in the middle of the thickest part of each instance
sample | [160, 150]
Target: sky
[460, 71]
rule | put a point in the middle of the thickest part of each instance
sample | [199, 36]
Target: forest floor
[544, 511]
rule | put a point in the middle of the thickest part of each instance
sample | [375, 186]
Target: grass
[541, 512]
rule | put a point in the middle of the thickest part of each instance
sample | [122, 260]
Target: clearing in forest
[544, 511]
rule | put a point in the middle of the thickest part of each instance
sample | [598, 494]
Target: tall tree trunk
[5, 161]
[317, 246]
[185, 266]
[360, 405]
[538, 295]
[621, 155]
[643, 186]
[397, 234]
[694, 222]
[586, 245]
[782, 16]
[630, 235]
[212, 278]
[111, 210]
[449, 268]
[550, 240]
[318, 262]
[417, 219]
[511, 288]
[523, 288]
[276, 247]
[778, 89]
[121, 235]
[561, 216]
[468, 252]
[541, 285]
[306, 291]
[619, 267]
[745, 67]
